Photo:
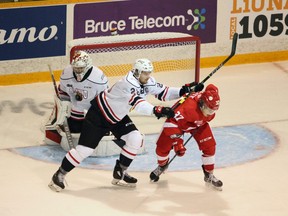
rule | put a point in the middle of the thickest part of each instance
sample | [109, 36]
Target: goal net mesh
[115, 55]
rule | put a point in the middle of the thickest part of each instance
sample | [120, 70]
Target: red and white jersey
[91, 85]
[188, 116]
[188, 119]
[128, 94]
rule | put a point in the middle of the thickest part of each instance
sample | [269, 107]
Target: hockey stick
[53, 81]
[65, 123]
[156, 177]
[233, 51]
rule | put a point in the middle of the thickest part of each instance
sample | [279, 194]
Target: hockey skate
[121, 177]
[57, 182]
[154, 175]
[211, 181]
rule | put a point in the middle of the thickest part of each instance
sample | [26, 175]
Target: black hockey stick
[65, 123]
[233, 51]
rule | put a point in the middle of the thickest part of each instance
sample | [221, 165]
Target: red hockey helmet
[210, 100]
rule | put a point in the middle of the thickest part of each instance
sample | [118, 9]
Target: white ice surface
[254, 93]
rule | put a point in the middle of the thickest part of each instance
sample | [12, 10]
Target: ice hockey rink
[251, 95]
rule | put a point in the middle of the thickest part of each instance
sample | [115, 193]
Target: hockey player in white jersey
[109, 112]
[80, 82]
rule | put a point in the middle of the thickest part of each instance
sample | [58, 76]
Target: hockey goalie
[80, 82]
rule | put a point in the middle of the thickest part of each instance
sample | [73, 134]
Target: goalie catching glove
[160, 111]
[187, 88]
[62, 110]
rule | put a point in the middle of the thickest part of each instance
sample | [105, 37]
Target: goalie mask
[81, 63]
[210, 100]
[142, 70]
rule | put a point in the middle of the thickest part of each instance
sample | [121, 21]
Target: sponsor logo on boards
[32, 32]
[192, 17]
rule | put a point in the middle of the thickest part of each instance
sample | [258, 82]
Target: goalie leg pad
[52, 137]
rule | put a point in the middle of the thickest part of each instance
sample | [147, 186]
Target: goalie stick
[65, 123]
[233, 51]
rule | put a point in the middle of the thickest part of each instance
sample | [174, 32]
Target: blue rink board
[235, 145]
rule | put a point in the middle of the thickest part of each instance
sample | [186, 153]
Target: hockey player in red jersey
[192, 116]
[109, 112]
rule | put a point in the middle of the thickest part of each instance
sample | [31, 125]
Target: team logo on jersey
[175, 136]
[78, 96]
[198, 123]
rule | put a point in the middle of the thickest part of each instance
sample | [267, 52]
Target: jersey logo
[198, 123]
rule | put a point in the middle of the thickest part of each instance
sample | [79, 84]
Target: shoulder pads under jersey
[131, 80]
[67, 73]
[97, 76]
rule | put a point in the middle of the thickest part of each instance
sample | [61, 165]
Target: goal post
[168, 51]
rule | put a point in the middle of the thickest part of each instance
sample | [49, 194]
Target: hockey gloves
[160, 111]
[61, 111]
[199, 87]
[179, 148]
[187, 88]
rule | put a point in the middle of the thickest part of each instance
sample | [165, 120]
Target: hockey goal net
[115, 55]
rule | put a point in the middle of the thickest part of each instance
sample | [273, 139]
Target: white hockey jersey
[128, 94]
[81, 93]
